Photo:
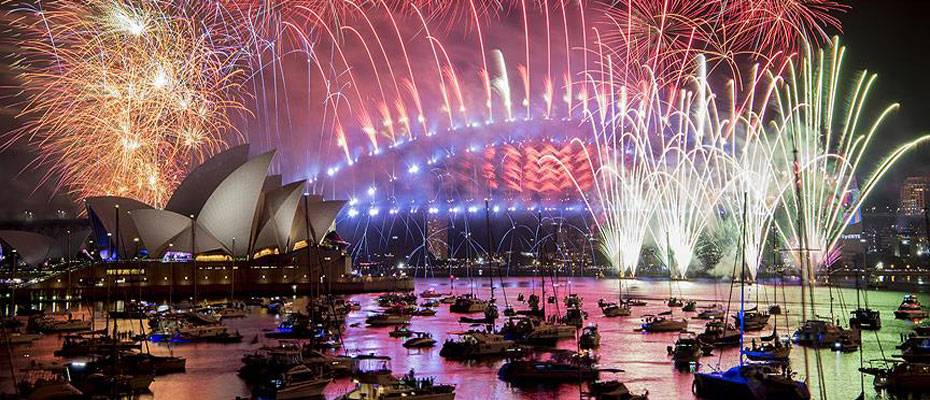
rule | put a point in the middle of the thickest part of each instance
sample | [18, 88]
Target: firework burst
[123, 97]
[827, 129]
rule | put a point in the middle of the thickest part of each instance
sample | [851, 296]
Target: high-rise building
[437, 236]
[914, 194]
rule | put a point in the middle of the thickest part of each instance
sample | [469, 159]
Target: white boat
[474, 344]
[387, 319]
[46, 324]
[178, 330]
[380, 384]
[301, 383]
[228, 313]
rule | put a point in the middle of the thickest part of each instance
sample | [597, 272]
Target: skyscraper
[914, 194]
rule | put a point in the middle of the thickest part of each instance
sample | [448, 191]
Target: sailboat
[749, 380]
[619, 309]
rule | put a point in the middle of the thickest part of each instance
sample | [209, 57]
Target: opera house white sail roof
[228, 205]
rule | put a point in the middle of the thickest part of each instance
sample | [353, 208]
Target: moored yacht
[300, 383]
[819, 333]
[687, 349]
[662, 323]
[44, 323]
[750, 381]
[420, 340]
[562, 368]
[468, 304]
[866, 319]
[476, 344]
[754, 320]
[775, 350]
[720, 334]
[910, 308]
[377, 383]
[387, 319]
[589, 338]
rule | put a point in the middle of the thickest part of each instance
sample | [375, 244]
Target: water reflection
[211, 368]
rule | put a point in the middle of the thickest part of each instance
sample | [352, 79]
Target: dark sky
[889, 37]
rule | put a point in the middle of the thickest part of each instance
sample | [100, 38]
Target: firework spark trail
[365, 93]
[824, 145]
[124, 98]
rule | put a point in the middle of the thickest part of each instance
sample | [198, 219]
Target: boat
[687, 349]
[468, 304]
[613, 390]
[574, 316]
[44, 323]
[270, 362]
[899, 377]
[690, 306]
[720, 334]
[661, 323]
[430, 293]
[562, 368]
[432, 303]
[387, 320]
[711, 313]
[423, 312]
[750, 381]
[389, 299]
[94, 343]
[776, 350]
[866, 319]
[572, 301]
[755, 320]
[231, 312]
[182, 330]
[420, 340]
[378, 383]
[525, 329]
[136, 363]
[300, 382]
[611, 310]
[910, 308]
[775, 309]
[47, 381]
[674, 302]
[634, 302]
[819, 333]
[589, 338]
[400, 332]
[915, 349]
[295, 326]
[477, 344]
[108, 380]
[922, 328]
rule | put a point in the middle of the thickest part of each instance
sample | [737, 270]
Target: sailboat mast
[490, 253]
[742, 284]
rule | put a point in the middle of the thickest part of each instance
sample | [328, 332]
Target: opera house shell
[227, 206]
[228, 226]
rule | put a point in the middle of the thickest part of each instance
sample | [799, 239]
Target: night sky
[889, 37]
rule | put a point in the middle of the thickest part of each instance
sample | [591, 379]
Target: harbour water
[211, 368]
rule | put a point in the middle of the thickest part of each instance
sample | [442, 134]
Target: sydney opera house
[229, 226]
